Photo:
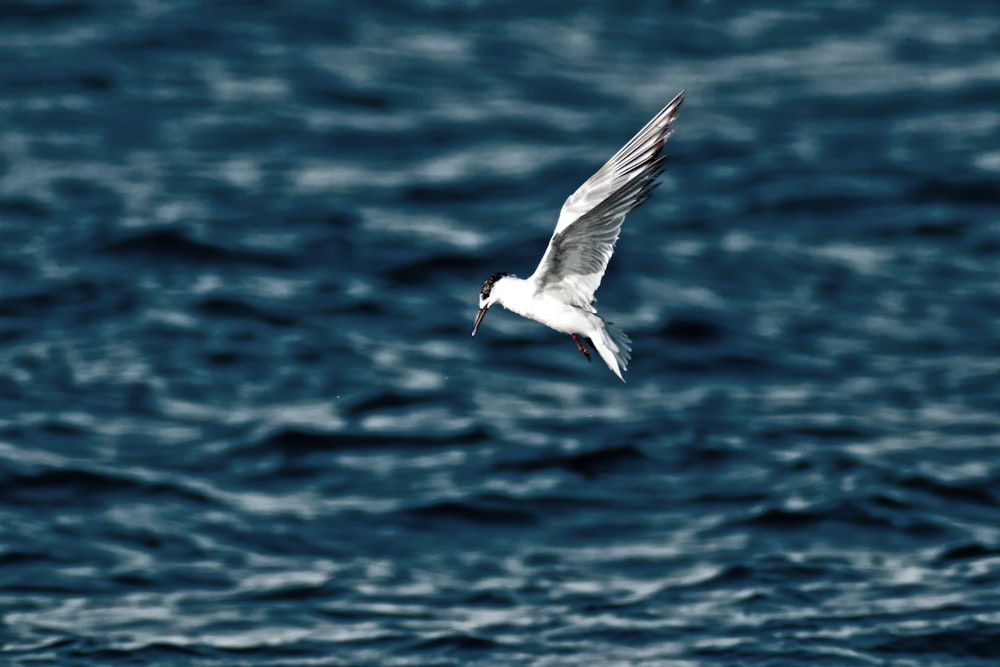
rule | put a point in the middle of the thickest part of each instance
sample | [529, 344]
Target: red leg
[584, 351]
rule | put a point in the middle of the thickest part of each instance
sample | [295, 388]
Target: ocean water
[242, 421]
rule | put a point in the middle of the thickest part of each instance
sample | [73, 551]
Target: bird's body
[549, 308]
[560, 293]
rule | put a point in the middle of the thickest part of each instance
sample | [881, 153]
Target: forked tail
[615, 348]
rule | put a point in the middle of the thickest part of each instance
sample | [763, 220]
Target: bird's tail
[615, 348]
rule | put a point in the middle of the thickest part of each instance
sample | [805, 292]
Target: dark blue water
[242, 421]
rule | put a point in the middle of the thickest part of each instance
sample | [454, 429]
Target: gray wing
[591, 218]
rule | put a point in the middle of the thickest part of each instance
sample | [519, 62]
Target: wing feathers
[591, 218]
[631, 157]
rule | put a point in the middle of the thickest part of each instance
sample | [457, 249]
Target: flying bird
[560, 293]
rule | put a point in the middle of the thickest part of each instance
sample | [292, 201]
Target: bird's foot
[584, 351]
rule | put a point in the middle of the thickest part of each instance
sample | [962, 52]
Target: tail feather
[615, 348]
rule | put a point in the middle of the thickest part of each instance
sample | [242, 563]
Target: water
[242, 421]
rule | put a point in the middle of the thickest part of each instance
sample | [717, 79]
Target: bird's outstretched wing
[591, 218]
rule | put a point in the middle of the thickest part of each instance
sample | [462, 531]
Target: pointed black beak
[479, 318]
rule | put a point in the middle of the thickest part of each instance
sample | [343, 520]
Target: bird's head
[488, 296]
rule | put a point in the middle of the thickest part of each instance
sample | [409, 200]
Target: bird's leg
[584, 351]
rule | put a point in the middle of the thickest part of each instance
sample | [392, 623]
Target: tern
[560, 293]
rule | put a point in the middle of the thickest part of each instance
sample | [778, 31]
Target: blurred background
[242, 420]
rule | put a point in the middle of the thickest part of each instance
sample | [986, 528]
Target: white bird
[560, 293]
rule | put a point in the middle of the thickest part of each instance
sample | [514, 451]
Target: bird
[560, 293]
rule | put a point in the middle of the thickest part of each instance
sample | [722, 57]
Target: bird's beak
[479, 318]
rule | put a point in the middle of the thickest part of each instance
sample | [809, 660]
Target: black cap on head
[489, 282]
